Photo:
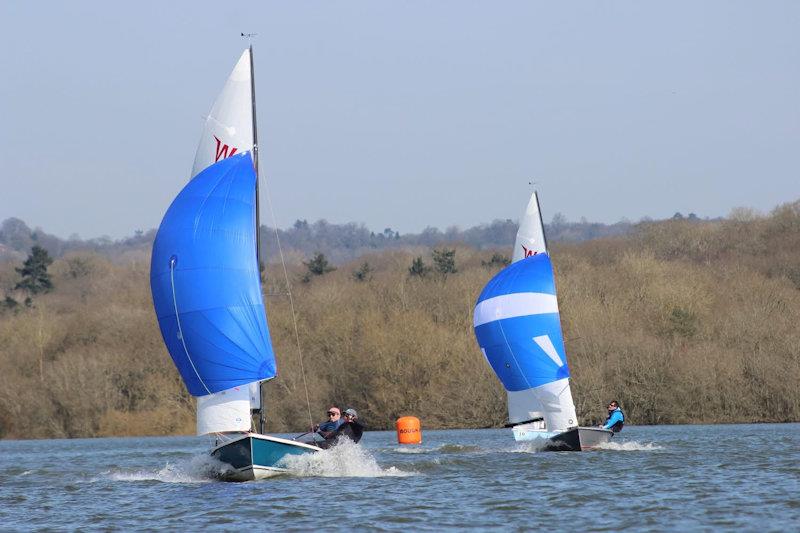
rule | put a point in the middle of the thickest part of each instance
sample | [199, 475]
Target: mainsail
[530, 236]
[207, 294]
[228, 128]
[518, 328]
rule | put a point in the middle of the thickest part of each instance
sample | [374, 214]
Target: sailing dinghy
[518, 328]
[206, 286]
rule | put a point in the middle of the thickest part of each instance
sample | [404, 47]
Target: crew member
[351, 429]
[616, 418]
[332, 424]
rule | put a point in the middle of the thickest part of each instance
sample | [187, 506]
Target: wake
[625, 446]
[346, 459]
[196, 469]
[630, 446]
[526, 447]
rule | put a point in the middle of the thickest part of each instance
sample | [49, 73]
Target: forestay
[518, 328]
[206, 289]
[228, 129]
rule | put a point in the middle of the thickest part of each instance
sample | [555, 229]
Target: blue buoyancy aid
[615, 420]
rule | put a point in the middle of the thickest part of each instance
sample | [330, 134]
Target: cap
[351, 411]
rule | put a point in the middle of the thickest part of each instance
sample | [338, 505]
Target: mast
[260, 410]
[538, 208]
[255, 160]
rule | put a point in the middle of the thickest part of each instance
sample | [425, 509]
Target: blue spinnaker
[205, 281]
[518, 328]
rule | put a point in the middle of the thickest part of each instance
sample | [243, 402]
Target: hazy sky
[404, 114]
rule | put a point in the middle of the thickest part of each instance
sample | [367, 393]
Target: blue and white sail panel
[530, 235]
[205, 281]
[518, 327]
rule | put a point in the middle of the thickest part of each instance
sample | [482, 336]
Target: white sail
[224, 411]
[255, 395]
[525, 405]
[530, 236]
[552, 401]
[228, 128]
[559, 413]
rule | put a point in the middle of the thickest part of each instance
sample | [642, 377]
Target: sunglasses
[331, 413]
[349, 415]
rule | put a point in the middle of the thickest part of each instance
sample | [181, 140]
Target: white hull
[533, 435]
[575, 439]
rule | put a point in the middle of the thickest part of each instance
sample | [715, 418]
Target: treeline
[345, 242]
[682, 321]
[339, 242]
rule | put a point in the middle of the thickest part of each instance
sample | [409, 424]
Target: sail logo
[528, 253]
[223, 150]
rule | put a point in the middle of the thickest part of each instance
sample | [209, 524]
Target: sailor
[351, 429]
[332, 424]
[616, 418]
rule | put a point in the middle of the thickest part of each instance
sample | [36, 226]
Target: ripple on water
[14, 499]
[440, 449]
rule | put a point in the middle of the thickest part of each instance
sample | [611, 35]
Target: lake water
[649, 479]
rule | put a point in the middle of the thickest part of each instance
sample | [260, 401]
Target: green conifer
[35, 278]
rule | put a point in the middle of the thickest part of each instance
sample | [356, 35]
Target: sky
[404, 114]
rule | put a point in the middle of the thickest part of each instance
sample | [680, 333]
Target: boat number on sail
[223, 150]
[528, 253]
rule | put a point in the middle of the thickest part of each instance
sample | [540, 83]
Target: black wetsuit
[351, 430]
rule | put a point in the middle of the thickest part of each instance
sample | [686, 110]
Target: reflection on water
[647, 478]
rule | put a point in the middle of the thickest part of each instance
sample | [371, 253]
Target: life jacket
[352, 430]
[616, 428]
[329, 426]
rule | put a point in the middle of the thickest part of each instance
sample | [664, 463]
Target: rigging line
[178, 320]
[291, 302]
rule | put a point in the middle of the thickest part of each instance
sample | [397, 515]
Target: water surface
[648, 479]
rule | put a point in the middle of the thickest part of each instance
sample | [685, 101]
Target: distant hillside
[682, 321]
[17, 238]
[339, 242]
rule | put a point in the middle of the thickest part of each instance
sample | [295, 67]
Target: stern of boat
[591, 438]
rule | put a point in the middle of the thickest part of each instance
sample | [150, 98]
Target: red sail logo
[528, 253]
[223, 150]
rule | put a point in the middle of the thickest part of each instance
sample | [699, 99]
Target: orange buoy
[408, 430]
